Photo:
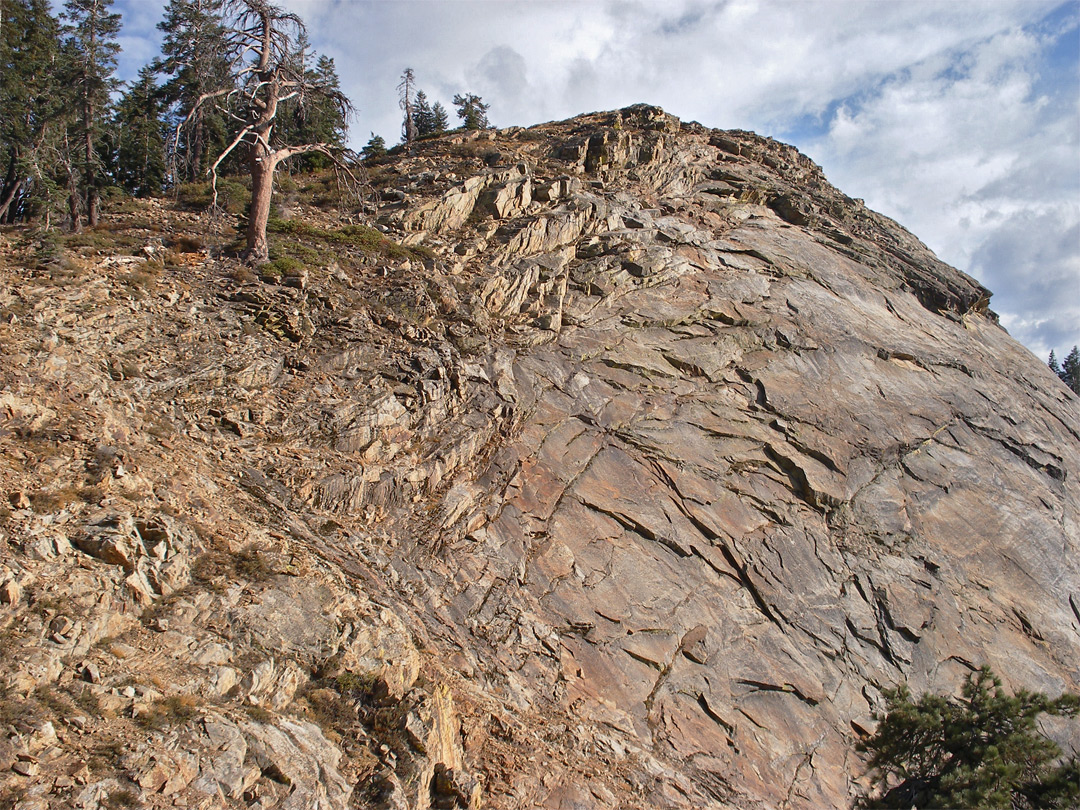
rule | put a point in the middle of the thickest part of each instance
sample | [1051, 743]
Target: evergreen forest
[1068, 369]
[237, 90]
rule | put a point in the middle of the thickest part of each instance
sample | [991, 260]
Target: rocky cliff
[616, 462]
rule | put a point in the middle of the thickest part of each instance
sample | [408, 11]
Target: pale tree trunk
[12, 183]
[262, 165]
[74, 204]
[88, 144]
[263, 159]
[74, 195]
[90, 175]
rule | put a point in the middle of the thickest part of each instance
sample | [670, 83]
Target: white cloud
[139, 39]
[964, 150]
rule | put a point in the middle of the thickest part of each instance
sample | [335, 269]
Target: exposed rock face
[629, 482]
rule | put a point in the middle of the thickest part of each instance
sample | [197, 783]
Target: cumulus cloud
[967, 151]
[500, 73]
[958, 119]
[140, 41]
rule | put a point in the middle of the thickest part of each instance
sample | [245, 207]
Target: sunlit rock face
[625, 471]
[765, 455]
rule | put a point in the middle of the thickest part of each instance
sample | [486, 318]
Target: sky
[960, 119]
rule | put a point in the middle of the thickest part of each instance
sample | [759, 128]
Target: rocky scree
[615, 462]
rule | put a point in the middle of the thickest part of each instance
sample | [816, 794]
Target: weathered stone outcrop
[629, 477]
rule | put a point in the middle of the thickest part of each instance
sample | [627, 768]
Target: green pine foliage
[375, 148]
[982, 750]
[89, 58]
[1052, 361]
[472, 111]
[312, 116]
[33, 111]
[320, 119]
[1070, 370]
[194, 58]
[440, 121]
[422, 115]
[430, 119]
[325, 120]
[141, 136]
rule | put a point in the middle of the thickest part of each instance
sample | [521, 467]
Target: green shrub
[194, 196]
[282, 266]
[233, 195]
[982, 750]
[284, 183]
[296, 250]
[363, 237]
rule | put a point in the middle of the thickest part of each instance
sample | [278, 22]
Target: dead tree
[406, 93]
[262, 38]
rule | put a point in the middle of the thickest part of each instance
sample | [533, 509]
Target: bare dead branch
[212, 171]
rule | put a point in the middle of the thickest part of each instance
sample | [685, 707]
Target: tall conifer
[141, 137]
[429, 119]
[1053, 363]
[90, 50]
[31, 106]
[312, 117]
[194, 55]
[422, 115]
[1070, 370]
[439, 119]
[407, 102]
[472, 111]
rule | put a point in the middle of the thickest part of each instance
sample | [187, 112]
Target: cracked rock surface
[626, 470]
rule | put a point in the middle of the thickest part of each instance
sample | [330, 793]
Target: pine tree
[472, 111]
[90, 50]
[430, 119]
[983, 750]
[319, 119]
[263, 43]
[425, 124]
[376, 147]
[327, 121]
[314, 118]
[1070, 370]
[195, 56]
[406, 100]
[439, 119]
[1053, 363]
[32, 107]
[141, 137]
